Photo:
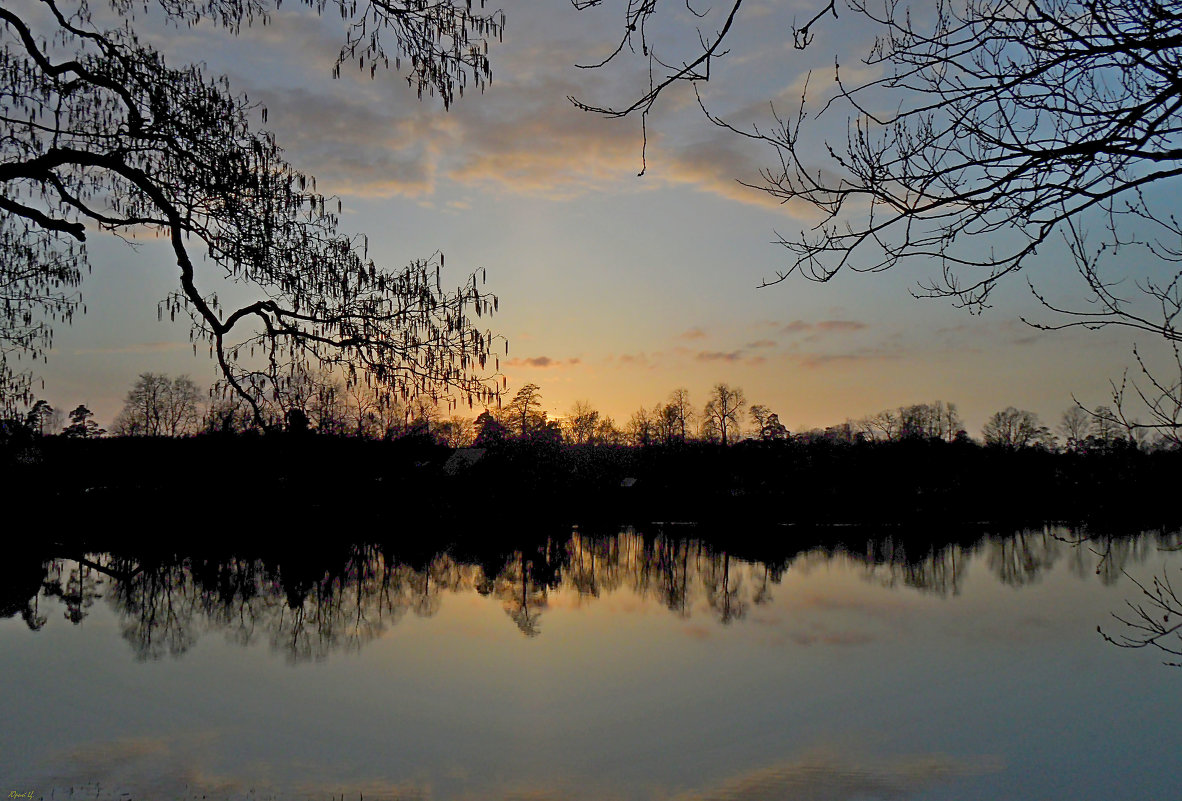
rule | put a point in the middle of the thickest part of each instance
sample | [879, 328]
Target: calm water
[623, 667]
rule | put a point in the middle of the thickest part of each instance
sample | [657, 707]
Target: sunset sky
[614, 288]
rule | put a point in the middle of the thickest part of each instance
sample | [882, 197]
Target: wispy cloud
[840, 325]
[693, 333]
[542, 362]
[720, 356]
[521, 136]
[828, 326]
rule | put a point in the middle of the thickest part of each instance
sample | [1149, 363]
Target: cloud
[833, 638]
[164, 767]
[720, 356]
[521, 136]
[840, 325]
[632, 359]
[358, 147]
[828, 326]
[761, 343]
[693, 333]
[543, 362]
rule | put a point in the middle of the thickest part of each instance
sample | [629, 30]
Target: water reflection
[309, 605]
[669, 662]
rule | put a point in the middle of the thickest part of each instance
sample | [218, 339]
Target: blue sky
[614, 288]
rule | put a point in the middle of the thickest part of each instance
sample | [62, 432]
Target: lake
[666, 663]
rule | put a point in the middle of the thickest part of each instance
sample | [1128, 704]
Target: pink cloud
[840, 325]
[543, 362]
[720, 356]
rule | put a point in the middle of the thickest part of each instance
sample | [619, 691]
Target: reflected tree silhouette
[582, 569]
[21, 588]
[1022, 558]
[671, 559]
[523, 597]
[725, 598]
[308, 605]
[937, 569]
[158, 609]
[763, 591]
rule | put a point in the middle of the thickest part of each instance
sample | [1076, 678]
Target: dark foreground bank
[235, 486]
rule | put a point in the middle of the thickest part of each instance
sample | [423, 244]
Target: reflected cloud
[158, 767]
[838, 638]
[828, 777]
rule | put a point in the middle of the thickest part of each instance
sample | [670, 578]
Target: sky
[614, 288]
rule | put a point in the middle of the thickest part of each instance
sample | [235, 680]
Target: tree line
[158, 405]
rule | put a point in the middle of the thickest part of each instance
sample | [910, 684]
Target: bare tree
[524, 413]
[328, 410]
[364, 408]
[682, 412]
[456, 432]
[607, 432]
[1074, 426]
[98, 130]
[885, 424]
[640, 431]
[759, 413]
[581, 423]
[1016, 428]
[158, 406]
[936, 420]
[723, 410]
[229, 415]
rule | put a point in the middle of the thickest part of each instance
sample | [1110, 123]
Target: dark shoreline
[230, 488]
